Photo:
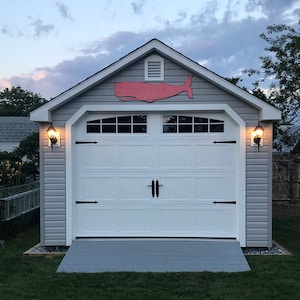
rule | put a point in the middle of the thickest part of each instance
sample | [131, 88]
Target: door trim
[241, 140]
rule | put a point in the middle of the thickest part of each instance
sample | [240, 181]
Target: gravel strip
[276, 249]
[40, 250]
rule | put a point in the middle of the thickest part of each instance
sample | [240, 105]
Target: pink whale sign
[150, 92]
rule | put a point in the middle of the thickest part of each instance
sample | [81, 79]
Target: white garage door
[156, 175]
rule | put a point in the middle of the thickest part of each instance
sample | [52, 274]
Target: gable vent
[154, 68]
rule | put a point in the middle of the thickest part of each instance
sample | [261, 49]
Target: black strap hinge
[83, 142]
[224, 142]
[86, 202]
[224, 202]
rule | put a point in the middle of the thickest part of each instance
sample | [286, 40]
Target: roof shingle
[15, 129]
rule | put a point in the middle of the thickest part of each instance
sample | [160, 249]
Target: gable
[145, 53]
[203, 91]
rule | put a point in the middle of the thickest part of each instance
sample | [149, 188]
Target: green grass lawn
[272, 277]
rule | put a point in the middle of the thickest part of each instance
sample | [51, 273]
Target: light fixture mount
[53, 136]
[257, 135]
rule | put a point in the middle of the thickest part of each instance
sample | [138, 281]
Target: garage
[156, 175]
[156, 146]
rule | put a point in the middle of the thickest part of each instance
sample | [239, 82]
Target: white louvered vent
[154, 68]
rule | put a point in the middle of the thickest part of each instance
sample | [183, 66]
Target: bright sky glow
[48, 46]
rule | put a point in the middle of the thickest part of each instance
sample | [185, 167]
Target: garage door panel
[215, 156]
[189, 173]
[137, 156]
[216, 187]
[176, 188]
[147, 221]
[179, 221]
[138, 221]
[212, 216]
[176, 156]
[96, 187]
[97, 156]
[93, 221]
[135, 188]
[114, 187]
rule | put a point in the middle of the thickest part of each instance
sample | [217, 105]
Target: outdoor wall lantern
[257, 135]
[53, 136]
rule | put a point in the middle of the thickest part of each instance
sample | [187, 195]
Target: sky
[48, 46]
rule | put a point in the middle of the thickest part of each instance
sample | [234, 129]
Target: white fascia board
[43, 114]
[267, 111]
[269, 114]
[40, 114]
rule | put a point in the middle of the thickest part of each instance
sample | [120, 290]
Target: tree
[28, 153]
[10, 170]
[257, 91]
[19, 102]
[20, 165]
[281, 67]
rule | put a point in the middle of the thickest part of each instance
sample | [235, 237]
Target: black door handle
[152, 188]
[157, 188]
[157, 185]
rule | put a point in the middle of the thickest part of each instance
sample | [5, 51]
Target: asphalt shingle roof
[15, 129]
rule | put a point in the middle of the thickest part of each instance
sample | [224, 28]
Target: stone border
[276, 249]
[39, 250]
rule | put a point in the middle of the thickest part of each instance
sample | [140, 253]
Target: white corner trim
[242, 186]
[69, 184]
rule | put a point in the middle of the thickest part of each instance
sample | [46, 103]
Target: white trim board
[155, 108]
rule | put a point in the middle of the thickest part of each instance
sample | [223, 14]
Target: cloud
[138, 6]
[64, 11]
[4, 83]
[40, 28]
[11, 31]
[51, 81]
[6, 31]
[181, 16]
[272, 8]
[226, 45]
[121, 40]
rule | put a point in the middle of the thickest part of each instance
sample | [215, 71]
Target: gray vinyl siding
[258, 187]
[258, 164]
[42, 202]
[53, 177]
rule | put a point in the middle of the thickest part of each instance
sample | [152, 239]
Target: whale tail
[187, 86]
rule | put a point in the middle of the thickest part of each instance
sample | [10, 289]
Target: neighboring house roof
[43, 113]
[13, 130]
[293, 131]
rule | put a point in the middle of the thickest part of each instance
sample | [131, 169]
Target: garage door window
[120, 124]
[191, 124]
